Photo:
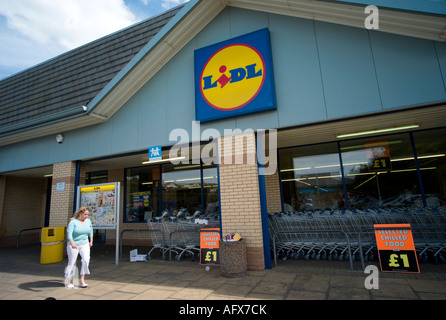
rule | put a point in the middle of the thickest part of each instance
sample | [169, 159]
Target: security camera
[59, 138]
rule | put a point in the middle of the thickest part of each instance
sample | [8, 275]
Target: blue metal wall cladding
[322, 72]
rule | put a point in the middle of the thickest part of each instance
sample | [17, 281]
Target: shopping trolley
[158, 238]
[184, 238]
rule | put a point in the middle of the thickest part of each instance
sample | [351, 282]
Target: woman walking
[80, 240]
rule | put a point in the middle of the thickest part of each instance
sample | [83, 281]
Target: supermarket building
[317, 112]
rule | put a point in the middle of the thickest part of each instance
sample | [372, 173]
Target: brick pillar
[62, 201]
[239, 194]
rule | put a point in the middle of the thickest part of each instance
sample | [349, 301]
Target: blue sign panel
[155, 153]
[234, 77]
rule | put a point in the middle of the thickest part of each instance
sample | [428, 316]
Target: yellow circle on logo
[232, 77]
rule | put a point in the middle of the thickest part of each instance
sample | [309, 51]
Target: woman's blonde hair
[78, 212]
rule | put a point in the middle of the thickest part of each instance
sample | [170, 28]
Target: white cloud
[32, 31]
[167, 4]
[63, 25]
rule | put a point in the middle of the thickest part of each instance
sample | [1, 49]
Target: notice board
[102, 200]
[396, 248]
[209, 246]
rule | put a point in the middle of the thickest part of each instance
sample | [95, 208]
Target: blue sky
[33, 31]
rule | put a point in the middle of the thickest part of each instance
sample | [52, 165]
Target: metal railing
[20, 233]
[142, 230]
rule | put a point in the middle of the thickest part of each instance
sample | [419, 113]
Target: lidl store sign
[234, 77]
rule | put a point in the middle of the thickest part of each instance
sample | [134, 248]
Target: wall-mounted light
[59, 138]
[162, 161]
[355, 134]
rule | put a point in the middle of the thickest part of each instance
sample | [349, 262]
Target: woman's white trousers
[84, 251]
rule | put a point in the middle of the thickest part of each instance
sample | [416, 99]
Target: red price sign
[378, 156]
[209, 246]
[396, 249]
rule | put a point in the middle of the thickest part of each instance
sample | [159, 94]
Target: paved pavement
[22, 277]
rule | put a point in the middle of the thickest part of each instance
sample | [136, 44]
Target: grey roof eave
[43, 121]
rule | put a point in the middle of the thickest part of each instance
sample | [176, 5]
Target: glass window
[96, 177]
[210, 190]
[311, 178]
[181, 187]
[431, 153]
[381, 172]
[142, 193]
[152, 189]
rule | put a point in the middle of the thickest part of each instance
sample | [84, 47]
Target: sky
[33, 31]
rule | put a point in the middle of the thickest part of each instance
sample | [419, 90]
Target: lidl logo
[234, 77]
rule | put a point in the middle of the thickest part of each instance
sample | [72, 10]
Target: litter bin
[52, 239]
[233, 259]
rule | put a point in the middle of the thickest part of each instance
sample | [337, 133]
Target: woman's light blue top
[79, 232]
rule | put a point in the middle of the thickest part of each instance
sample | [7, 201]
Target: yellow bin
[52, 239]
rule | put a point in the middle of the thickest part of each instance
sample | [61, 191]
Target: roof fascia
[68, 114]
[426, 6]
[401, 22]
[54, 126]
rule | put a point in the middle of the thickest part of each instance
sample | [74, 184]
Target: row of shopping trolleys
[177, 234]
[184, 215]
[347, 234]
